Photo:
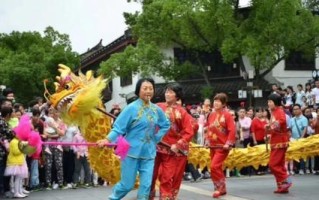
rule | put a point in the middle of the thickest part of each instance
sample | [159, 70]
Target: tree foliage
[27, 58]
[311, 5]
[189, 25]
[266, 32]
[145, 59]
[207, 92]
[272, 30]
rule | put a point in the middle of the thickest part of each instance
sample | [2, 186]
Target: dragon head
[76, 95]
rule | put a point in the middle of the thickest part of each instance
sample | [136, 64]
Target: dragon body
[78, 99]
[256, 155]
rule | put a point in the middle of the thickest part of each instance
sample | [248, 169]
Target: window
[126, 80]
[107, 92]
[214, 62]
[298, 61]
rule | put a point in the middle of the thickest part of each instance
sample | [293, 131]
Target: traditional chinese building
[234, 79]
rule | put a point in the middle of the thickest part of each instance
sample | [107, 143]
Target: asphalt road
[243, 188]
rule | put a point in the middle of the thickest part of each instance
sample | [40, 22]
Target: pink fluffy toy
[30, 140]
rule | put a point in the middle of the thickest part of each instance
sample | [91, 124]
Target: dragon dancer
[220, 136]
[279, 140]
[144, 124]
[171, 157]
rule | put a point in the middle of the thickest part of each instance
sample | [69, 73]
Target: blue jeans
[34, 173]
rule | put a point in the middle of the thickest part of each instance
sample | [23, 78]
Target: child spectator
[81, 160]
[17, 168]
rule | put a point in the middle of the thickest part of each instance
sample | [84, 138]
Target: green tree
[270, 31]
[193, 26]
[266, 32]
[311, 4]
[207, 92]
[27, 58]
[146, 59]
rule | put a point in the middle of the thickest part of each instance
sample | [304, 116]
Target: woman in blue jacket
[144, 124]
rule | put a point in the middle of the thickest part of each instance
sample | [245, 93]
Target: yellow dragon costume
[78, 98]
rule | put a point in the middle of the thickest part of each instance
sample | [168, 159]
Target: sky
[85, 21]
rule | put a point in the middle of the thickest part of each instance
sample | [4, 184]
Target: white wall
[169, 53]
[286, 77]
[117, 89]
[290, 77]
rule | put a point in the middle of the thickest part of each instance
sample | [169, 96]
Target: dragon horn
[46, 93]
[57, 85]
[64, 70]
[89, 75]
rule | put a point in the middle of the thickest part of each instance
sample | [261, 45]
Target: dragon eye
[66, 87]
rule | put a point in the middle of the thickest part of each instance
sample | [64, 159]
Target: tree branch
[272, 66]
[179, 43]
[196, 29]
[283, 57]
[203, 70]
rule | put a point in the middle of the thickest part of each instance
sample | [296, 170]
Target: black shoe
[187, 177]
[48, 187]
[86, 185]
[37, 188]
[198, 179]
[8, 195]
[206, 175]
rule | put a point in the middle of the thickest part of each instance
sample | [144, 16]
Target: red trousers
[277, 164]
[216, 168]
[169, 169]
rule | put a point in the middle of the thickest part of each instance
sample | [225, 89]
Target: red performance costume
[170, 166]
[220, 132]
[258, 128]
[279, 140]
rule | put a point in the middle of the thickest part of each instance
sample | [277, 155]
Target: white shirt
[289, 101]
[315, 92]
[299, 96]
[309, 97]
[70, 132]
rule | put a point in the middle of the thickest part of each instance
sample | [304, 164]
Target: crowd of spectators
[57, 167]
